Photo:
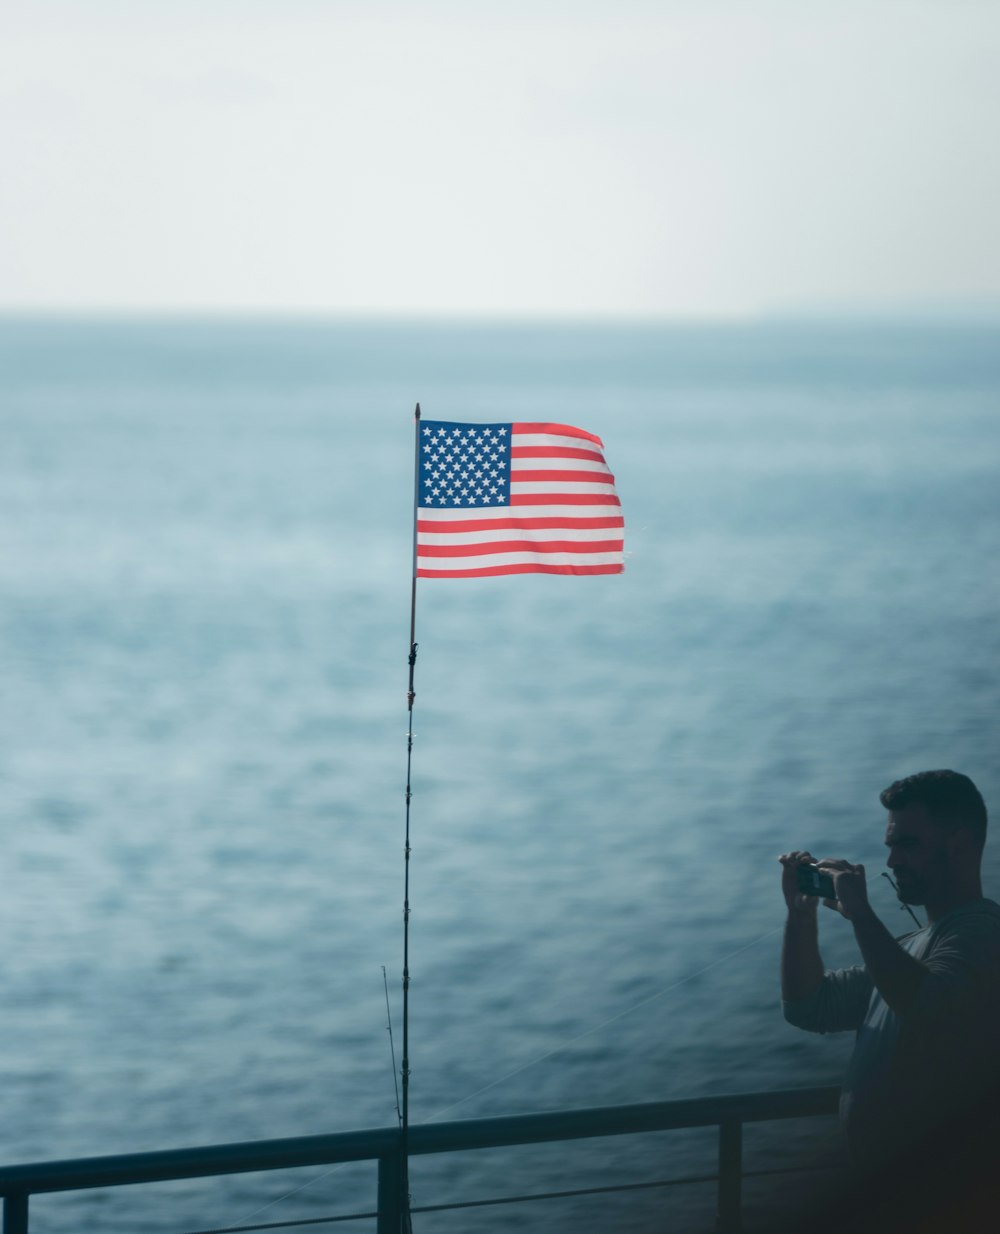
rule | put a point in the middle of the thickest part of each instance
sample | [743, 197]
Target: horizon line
[918, 312]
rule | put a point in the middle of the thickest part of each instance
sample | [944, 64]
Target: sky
[635, 159]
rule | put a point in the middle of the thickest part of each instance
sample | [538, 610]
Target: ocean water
[205, 538]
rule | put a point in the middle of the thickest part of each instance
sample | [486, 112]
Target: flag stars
[464, 465]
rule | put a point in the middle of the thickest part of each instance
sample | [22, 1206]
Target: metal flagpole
[410, 696]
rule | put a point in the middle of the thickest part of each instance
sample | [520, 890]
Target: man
[926, 1007]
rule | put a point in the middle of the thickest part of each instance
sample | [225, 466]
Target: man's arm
[815, 1000]
[896, 974]
[801, 963]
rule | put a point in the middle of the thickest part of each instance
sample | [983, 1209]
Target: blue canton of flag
[464, 465]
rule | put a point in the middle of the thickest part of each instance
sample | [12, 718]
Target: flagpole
[410, 696]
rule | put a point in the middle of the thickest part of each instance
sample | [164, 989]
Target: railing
[19, 1182]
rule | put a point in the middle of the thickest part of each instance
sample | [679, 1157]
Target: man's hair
[950, 798]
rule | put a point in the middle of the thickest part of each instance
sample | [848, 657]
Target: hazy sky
[503, 157]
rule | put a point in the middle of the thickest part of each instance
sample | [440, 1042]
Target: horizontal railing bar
[203, 1161]
[291, 1153]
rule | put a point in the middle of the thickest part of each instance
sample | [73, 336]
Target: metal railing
[19, 1182]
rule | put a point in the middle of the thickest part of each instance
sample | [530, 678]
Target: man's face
[919, 855]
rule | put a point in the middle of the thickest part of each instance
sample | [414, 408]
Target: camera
[816, 882]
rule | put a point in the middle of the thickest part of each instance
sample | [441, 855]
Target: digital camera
[816, 882]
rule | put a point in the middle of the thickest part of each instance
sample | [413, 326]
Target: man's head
[935, 836]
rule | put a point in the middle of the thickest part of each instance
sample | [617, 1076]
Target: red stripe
[564, 499]
[521, 546]
[553, 452]
[531, 567]
[524, 524]
[578, 477]
[555, 430]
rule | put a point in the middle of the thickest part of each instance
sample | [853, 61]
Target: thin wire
[392, 1048]
[903, 903]
[550, 1053]
[541, 1058]
[643, 1186]
[288, 1195]
[604, 1023]
[815, 1168]
[286, 1225]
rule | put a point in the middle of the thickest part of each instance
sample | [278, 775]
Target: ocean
[205, 561]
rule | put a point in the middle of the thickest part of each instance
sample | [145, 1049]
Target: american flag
[515, 499]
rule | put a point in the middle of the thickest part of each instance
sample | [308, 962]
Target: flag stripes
[525, 566]
[474, 481]
[565, 499]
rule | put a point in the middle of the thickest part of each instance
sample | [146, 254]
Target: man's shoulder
[974, 926]
[977, 917]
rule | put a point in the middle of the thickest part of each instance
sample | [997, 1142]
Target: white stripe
[485, 560]
[547, 439]
[553, 511]
[519, 533]
[559, 486]
[560, 464]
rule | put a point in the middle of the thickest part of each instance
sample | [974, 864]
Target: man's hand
[796, 901]
[850, 885]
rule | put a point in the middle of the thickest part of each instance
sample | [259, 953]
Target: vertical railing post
[729, 1218]
[390, 1194]
[15, 1213]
